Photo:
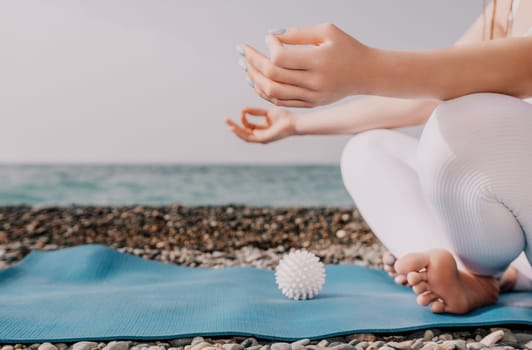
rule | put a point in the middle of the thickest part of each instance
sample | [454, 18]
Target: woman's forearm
[364, 114]
[502, 66]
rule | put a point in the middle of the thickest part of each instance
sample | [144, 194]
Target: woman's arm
[337, 65]
[385, 112]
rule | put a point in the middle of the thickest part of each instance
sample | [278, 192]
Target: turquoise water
[307, 185]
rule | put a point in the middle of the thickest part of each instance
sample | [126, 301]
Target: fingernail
[250, 82]
[277, 31]
[240, 50]
[389, 260]
[243, 64]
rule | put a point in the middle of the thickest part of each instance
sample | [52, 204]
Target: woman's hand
[279, 124]
[334, 66]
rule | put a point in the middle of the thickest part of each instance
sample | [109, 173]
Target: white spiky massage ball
[300, 275]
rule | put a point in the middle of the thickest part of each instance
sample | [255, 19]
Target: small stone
[281, 346]
[523, 338]
[154, 347]
[492, 338]
[341, 234]
[300, 344]
[265, 347]
[362, 345]
[430, 345]
[341, 346]
[404, 345]
[7, 347]
[200, 346]
[249, 342]
[386, 347]
[506, 347]
[428, 335]
[354, 342]
[254, 347]
[61, 346]
[45, 346]
[323, 343]
[446, 336]
[459, 344]
[475, 346]
[528, 345]
[232, 346]
[197, 340]
[117, 345]
[84, 345]
[180, 342]
[418, 344]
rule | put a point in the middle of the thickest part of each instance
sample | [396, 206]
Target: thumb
[312, 35]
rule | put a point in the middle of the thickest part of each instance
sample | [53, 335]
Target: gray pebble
[7, 347]
[232, 346]
[430, 345]
[428, 335]
[404, 345]
[180, 342]
[249, 342]
[523, 338]
[502, 348]
[47, 346]
[117, 345]
[492, 338]
[84, 345]
[61, 346]
[386, 347]
[323, 343]
[265, 347]
[281, 346]
[354, 342]
[362, 345]
[342, 346]
[418, 344]
[200, 346]
[475, 346]
[459, 344]
[196, 340]
[155, 347]
[528, 345]
[300, 344]
[254, 347]
[174, 348]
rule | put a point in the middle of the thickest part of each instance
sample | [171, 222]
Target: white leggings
[465, 186]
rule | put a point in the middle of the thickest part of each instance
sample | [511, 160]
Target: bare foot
[388, 260]
[508, 280]
[436, 280]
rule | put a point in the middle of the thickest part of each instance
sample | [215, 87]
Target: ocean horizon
[164, 184]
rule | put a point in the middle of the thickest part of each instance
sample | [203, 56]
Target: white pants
[465, 186]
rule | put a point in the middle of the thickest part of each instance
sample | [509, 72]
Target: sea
[190, 185]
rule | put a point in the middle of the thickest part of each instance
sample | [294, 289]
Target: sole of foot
[438, 283]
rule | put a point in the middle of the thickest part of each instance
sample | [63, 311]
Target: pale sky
[136, 81]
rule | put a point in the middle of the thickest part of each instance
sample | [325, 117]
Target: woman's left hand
[331, 65]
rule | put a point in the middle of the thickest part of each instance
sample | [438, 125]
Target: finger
[243, 134]
[264, 65]
[295, 58]
[259, 112]
[273, 89]
[311, 35]
[294, 103]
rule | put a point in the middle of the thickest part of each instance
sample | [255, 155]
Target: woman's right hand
[279, 124]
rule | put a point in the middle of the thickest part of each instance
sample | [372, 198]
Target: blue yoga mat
[94, 292]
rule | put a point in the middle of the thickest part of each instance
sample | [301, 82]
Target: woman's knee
[459, 136]
[358, 150]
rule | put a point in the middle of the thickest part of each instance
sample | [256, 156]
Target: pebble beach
[229, 235]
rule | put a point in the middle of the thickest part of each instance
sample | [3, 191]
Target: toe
[426, 298]
[400, 279]
[437, 306]
[416, 277]
[420, 288]
[412, 262]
